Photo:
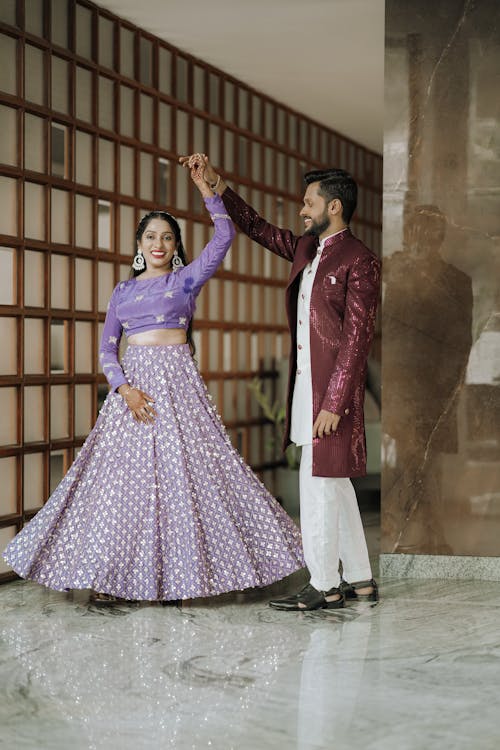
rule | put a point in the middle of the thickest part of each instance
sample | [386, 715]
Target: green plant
[275, 412]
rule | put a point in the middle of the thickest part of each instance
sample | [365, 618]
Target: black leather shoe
[310, 598]
[350, 591]
[290, 599]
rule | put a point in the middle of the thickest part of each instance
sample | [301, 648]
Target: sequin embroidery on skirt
[167, 510]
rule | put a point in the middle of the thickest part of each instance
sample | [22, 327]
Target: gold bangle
[215, 185]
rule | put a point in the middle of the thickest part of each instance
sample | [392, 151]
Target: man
[331, 300]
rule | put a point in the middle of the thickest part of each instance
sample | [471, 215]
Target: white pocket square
[333, 279]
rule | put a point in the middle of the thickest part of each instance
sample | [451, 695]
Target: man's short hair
[336, 183]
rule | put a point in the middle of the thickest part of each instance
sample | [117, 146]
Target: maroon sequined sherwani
[342, 313]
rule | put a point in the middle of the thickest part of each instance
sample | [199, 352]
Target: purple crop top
[164, 301]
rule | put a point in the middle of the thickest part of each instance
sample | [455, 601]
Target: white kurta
[302, 409]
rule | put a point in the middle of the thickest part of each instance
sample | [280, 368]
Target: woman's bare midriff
[159, 337]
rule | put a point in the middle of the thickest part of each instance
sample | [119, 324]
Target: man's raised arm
[280, 241]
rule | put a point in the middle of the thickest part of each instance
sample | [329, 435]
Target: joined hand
[197, 161]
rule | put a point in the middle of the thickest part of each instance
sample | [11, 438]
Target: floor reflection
[199, 675]
[226, 672]
[328, 686]
[419, 669]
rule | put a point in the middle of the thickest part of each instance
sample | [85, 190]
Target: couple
[158, 505]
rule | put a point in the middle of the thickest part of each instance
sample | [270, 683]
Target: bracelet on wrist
[214, 185]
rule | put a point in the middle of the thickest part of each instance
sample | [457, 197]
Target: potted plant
[287, 480]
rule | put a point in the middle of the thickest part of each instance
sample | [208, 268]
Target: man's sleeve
[280, 241]
[357, 333]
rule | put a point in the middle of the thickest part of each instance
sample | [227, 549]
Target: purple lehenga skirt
[166, 510]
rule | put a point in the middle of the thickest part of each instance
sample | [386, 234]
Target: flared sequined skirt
[159, 511]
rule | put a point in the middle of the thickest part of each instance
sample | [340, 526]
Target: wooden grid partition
[94, 113]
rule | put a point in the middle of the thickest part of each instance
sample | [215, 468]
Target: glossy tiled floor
[418, 671]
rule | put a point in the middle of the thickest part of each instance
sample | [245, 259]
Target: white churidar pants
[331, 528]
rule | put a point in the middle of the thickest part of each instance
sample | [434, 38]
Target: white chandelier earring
[177, 261]
[139, 264]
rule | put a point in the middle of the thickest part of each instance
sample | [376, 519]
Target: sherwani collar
[334, 239]
[312, 249]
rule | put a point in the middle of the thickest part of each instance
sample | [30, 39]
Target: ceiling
[324, 58]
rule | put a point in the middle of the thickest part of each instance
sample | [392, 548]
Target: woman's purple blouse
[164, 301]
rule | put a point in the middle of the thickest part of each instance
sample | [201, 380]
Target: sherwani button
[299, 346]
[346, 412]
[298, 372]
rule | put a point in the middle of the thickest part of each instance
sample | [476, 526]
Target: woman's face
[158, 244]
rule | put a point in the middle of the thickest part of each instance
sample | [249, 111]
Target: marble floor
[418, 671]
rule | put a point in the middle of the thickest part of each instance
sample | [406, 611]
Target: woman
[158, 505]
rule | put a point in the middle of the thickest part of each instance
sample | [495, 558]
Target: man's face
[315, 211]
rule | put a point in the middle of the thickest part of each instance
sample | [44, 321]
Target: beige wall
[441, 309]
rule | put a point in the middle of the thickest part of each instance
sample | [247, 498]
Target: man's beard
[318, 227]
